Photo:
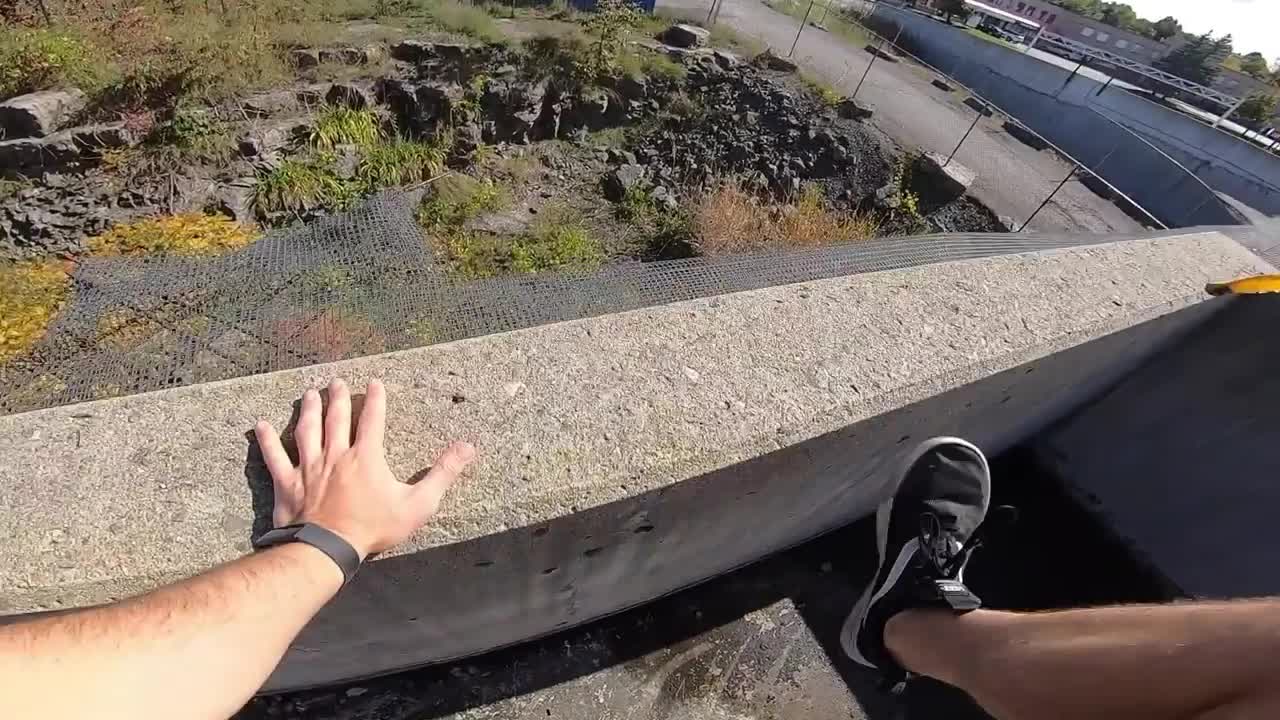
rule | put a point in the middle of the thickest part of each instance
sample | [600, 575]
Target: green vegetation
[830, 16]
[399, 162]
[456, 199]
[558, 241]
[311, 180]
[194, 134]
[1196, 60]
[821, 88]
[300, 185]
[1258, 110]
[36, 59]
[337, 125]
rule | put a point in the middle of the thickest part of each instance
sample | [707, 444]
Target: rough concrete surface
[1012, 178]
[621, 457]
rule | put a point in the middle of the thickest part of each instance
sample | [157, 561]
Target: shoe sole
[853, 623]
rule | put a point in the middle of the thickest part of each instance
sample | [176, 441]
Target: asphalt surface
[1013, 179]
[757, 643]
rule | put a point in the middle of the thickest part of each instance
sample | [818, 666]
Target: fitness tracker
[326, 541]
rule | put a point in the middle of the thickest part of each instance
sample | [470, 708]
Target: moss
[31, 293]
[185, 234]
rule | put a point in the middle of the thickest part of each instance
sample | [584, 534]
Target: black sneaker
[925, 533]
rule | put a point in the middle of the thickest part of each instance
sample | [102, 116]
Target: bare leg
[1210, 660]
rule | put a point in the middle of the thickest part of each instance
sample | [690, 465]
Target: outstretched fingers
[372, 425]
[430, 490]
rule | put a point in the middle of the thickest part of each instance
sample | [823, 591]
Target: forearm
[196, 649]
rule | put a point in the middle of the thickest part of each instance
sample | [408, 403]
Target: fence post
[976, 117]
[865, 73]
[1047, 200]
[801, 28]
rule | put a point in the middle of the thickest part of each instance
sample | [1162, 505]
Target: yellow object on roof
[1246, 286]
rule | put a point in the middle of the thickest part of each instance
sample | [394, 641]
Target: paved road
[1012, 180]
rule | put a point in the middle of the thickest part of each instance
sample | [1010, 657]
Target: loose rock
[621, 180]
[39, 114]
[685, 36]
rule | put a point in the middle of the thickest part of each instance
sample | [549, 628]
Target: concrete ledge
[621, 457]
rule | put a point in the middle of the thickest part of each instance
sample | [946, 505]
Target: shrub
[299, 185]
[185, 234]
[195, 134]
[462, 18]
[31, 293]
[643, 63]
[809, 222]
[555, 243]
[455, 200]
[337, 125]
[730, 220]
[39, 59]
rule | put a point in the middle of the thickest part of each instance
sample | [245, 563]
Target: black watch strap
[322, 539]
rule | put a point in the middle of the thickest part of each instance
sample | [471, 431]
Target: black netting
[366, 282]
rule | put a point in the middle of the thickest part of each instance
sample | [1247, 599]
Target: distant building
[1099, 35]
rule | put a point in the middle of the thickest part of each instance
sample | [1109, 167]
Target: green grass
[399, 162]
[336, 125]
[644, 63]
[556, 242]
[37, 59]
[834, 22]
[299, 185]
[456, 199]
[821, 89]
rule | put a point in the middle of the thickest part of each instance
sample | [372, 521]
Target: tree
[1256, 65]
[1198, 60]
[1088, 8]
[1118, 15]
[953, 7]
[1166, 28]
[1257, 110]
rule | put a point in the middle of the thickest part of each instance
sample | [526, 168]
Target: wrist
[314, 563]
[354, 539]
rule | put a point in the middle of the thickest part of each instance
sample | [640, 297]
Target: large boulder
[621, 180]
[850, 109]
[269, 137]
[303, 58]
[949, 179]
[356, 95]
[28, 154]
[421, 51]
[235, 199]
[39, 114]
[682, 35]
[770, 61]
[419, 106]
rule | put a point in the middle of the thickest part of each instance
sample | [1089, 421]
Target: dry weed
[731, 220]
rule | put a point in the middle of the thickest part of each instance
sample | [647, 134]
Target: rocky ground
[664, 137]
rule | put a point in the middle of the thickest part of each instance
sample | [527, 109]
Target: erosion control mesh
[366, 282]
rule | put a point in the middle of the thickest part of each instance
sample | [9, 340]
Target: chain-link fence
[365, 282]
[1042, 162]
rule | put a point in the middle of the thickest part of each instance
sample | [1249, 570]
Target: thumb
[430, 490]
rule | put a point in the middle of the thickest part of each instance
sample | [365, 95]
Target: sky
[1254, 23]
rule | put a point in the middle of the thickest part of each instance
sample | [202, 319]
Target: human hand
[348, 488]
